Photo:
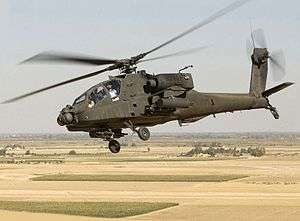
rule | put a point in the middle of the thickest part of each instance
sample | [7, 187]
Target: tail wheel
[114, 146]
[144, 133]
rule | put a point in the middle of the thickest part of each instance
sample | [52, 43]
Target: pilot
[96, 95]
[92, 100]
[113, 93]
[100, 93]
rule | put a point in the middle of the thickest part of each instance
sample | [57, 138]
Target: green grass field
[138, 178]
[173, 159]
[91, 209]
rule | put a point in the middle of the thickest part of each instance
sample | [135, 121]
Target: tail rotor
[276, 58]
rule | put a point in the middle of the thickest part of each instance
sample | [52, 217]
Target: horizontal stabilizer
[276, 89]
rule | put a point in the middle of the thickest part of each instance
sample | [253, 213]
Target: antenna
[186, 67]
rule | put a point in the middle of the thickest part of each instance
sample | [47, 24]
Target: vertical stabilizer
[259, 71]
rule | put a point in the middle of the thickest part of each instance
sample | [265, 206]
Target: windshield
[80, 99]
[97, 94]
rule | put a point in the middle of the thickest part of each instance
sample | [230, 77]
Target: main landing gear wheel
[114, 146]
[144, 133]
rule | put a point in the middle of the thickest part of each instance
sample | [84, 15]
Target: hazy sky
[117, 29]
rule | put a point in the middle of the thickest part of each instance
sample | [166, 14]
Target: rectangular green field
[91, 209]
[138, 178]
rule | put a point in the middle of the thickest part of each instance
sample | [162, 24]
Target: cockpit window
[80, 99]
[97, 94]
[113, 88]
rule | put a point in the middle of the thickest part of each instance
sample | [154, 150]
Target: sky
[119, 29]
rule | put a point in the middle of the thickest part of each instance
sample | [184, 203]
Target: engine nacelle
[164, 81]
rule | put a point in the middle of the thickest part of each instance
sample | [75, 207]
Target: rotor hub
[260, 56]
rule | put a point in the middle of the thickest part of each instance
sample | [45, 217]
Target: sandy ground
[272, 192]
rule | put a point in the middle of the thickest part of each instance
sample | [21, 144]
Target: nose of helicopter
[66, 116]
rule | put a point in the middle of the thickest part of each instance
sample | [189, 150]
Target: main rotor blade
[179, 53]
[236, 4]
[61, 57]
[59, 84]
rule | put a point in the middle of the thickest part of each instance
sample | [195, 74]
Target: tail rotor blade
[278, 63]
[259, 38]
[249, 47]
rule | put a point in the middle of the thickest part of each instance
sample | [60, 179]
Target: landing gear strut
[273, 110]
[114, 146]
[143, 132]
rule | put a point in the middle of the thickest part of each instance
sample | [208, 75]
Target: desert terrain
[264, 188]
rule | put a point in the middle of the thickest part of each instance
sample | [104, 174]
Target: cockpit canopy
[100, 91]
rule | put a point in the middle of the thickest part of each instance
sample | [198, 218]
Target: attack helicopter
[136, 99]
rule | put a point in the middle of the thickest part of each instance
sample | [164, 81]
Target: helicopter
[137, 100]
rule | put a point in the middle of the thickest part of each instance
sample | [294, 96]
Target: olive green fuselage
[147, 100]
[114, 115]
